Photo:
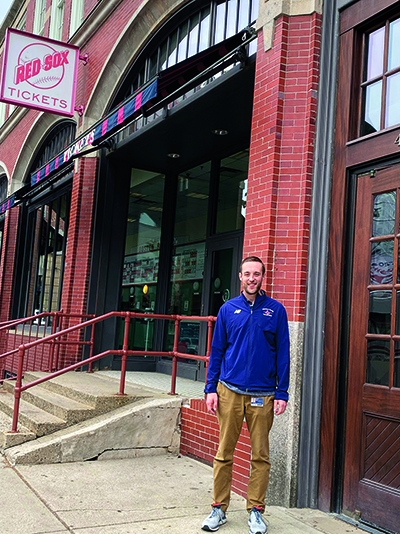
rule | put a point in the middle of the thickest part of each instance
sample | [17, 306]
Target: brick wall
[199, 439]
[79, 246]
[281, 158]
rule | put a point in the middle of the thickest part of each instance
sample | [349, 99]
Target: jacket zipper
[250, 346]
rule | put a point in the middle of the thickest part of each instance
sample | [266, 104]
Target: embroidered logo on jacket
[268, 312]
[237, 311]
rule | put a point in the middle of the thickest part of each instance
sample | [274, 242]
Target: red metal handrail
[35, 326]
[124, 353]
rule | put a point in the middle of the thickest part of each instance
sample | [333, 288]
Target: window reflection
[186, 283]
[142, 250]
[232, 193]
[372, 108]
[394, 45]
[46, 242]
[382, 262]
[396, 375]
[378, 358]
[375, 50]
[392, 100]
[384, 214]
[380, 312]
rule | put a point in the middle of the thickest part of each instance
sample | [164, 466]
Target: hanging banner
[39, 73]
[7, 204]
[126, 111]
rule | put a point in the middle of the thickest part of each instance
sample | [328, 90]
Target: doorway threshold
[364, 525]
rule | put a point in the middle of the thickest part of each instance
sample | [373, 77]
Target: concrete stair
[60, 403]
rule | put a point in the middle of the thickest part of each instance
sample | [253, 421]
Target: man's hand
[212, 403]
[279, 406]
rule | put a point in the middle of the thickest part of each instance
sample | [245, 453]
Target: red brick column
[7, 262]
[281, 157]
[79, 245]
[7, 266]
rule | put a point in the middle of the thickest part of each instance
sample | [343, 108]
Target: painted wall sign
[39, 73]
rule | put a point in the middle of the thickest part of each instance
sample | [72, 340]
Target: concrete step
[69, 410]
[8, 439]
[88, 388]
[35, 419]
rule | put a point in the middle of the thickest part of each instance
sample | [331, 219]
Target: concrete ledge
[131, 431]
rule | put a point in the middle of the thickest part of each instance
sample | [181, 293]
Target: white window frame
[76, 15]
[56, 19]
[40, 17]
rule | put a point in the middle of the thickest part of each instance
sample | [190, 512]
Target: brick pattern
[281, 158]
[199, 439]
[78, 254]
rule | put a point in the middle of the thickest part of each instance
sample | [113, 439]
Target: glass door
[221, 279]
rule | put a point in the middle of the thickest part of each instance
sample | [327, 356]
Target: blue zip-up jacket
[250, 347]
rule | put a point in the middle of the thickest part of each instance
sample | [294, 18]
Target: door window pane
[221, 279]
[384, 214]
[375, 50]
[396, 377]
[382, 262]
[142, 249]
[232, 192]
[372, 108]
[394, 45]
[186, 283]
[378, 356]
[380, 312]
[392, 100]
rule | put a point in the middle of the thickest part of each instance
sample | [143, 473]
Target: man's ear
[240, 276]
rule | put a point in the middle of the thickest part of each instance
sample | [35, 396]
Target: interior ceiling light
[173, 155]
[220, 132]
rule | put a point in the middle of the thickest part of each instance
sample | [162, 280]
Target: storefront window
[186, 283]
[46, 243]
[232, 193]
[381, 79]
[142, 251]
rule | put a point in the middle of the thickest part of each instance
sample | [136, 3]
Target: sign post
[39, 73]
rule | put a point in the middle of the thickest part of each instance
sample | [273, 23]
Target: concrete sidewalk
[153, 494]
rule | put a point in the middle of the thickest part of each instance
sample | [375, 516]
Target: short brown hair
[253, 258]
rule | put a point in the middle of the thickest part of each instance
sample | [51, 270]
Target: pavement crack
[42, 500]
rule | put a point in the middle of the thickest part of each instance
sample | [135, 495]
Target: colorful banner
[7, 204]
[127, 110]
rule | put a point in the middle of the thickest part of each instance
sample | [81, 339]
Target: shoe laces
[257, 516]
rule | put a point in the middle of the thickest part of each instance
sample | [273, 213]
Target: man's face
[251, 277]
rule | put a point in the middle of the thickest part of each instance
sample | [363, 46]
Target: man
[248, 376]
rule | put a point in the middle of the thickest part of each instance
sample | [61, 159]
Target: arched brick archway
[147, 19]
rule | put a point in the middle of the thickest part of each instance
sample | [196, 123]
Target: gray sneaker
[214, 520]
[256, 522]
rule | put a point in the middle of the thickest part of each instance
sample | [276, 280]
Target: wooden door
[372, 454]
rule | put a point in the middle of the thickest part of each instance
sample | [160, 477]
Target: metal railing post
[53, 341]
[17, 389]
[124, 354]
[174, 358]
[90, 370]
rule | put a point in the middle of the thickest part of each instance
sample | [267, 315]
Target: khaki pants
[232, 408]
